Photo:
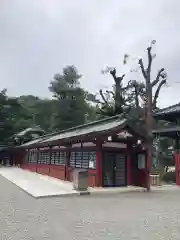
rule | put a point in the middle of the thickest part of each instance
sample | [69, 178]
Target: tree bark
[118, 91]
[154, 104]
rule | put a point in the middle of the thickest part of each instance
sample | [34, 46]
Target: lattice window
[62, 158]
[83, 160]
[32, 156]
[91, 159]
[78, 160]
[58, 158]
[47, 157]
[44, 157]
[72, 161]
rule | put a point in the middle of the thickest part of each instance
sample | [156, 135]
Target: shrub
[169, 177]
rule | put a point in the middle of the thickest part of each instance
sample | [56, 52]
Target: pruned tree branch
[154, 104]
[111, 92]
[160, 78]
[102, 96]
[116, 79]
[149, 62]
[113, 73]
[159, 75]
[142, 68]
[118, 91]
[122, 77]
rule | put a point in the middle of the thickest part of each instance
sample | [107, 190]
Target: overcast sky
[39, 37]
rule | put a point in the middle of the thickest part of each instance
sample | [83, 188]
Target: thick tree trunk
[118, 108]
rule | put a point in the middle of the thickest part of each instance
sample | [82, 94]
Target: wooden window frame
[43, 157]
[58, 158]
[83, 164]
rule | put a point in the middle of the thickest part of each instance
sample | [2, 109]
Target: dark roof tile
[102, 126]
[168, 110]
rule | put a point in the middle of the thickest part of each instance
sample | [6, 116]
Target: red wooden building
[107, 148]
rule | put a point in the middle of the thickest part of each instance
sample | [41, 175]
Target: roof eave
[92, 136]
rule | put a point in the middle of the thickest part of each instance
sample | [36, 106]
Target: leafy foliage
[10, 111]
[71, 109]
[68, 108]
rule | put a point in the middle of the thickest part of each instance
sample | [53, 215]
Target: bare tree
[150, 102]
[118, 91]
[159, 81]
[117, 94]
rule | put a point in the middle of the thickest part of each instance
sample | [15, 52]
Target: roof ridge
[172, 109]
[109, 120]
[91, 123]
[43, 137]
[174, 105]
[83, 125]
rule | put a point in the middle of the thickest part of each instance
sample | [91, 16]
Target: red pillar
[176, 156]
[99, 165]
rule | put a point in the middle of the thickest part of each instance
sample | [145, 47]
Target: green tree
[39, 112]
[134, 93]
[71, 108]
[10, 110]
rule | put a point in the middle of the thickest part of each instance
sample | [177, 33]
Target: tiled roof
[37, 140]
[102, 126]
[168, 129]
[168, 110]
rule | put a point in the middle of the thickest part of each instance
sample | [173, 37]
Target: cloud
[40, 37]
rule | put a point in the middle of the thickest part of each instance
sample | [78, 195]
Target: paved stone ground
[130, 216]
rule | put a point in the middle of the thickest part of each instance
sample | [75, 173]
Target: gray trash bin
[80, 179]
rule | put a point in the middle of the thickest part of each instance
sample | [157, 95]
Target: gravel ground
[146, 216]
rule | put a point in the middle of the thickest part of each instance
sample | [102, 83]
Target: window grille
[44, 157]
[32, 156]
[83, 160]
[58, 158]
